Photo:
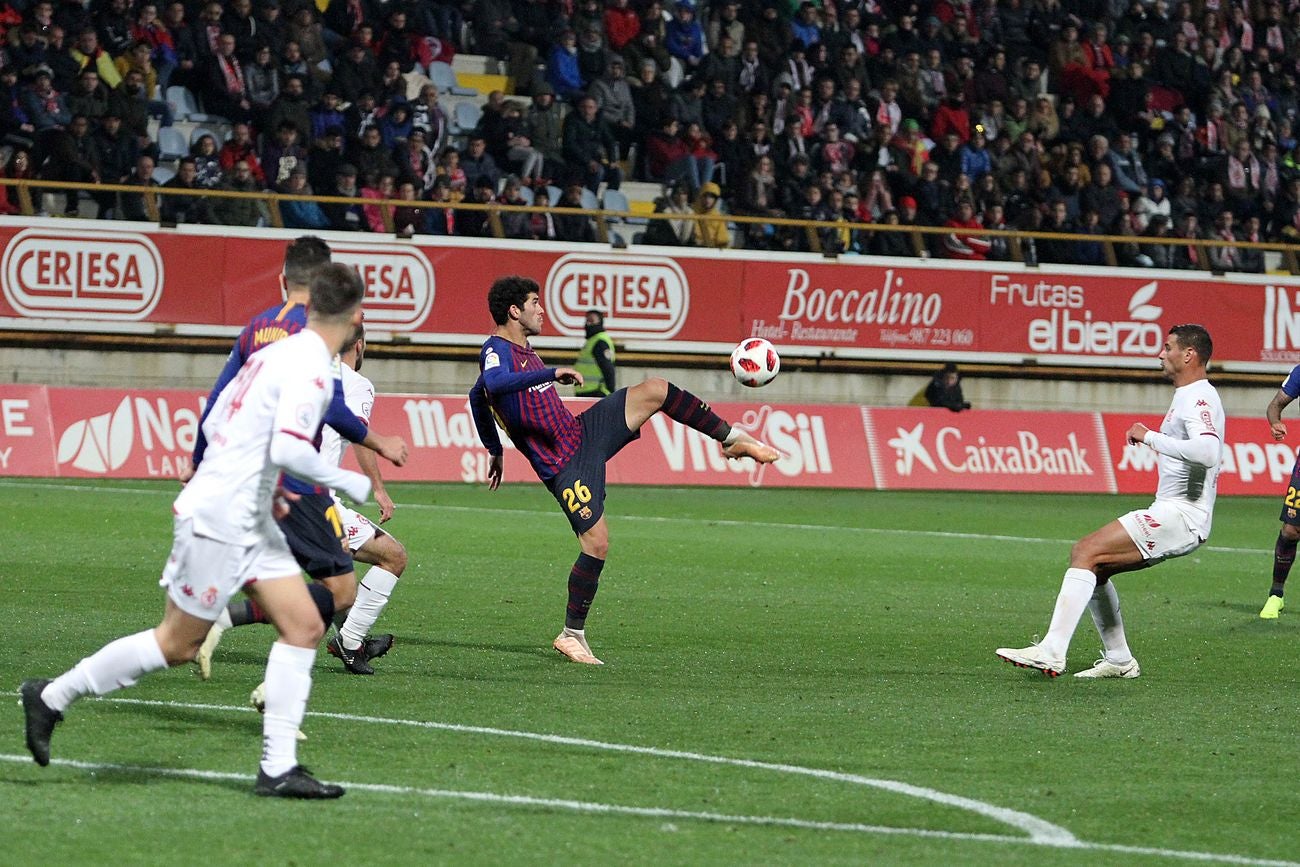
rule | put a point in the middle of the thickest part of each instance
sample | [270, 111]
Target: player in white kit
[1190, 447]
[225, 539]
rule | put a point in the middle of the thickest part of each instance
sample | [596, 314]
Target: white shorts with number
[357, 528]
[1160, 531]
[202, 573]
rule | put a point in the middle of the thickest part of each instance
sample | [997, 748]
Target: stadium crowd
[1124, 117]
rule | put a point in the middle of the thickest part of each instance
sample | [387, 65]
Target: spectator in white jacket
[1150, 203]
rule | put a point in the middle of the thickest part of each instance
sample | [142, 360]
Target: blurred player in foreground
[1190, 446]
[367, 543]
[569, 453]
[225, 538]
[1289, 535]
[312, 526]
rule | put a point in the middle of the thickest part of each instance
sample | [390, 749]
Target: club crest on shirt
[306, 416]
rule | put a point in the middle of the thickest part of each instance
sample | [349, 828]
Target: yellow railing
[602, 220]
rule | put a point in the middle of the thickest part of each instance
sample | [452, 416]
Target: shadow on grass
[528, 649]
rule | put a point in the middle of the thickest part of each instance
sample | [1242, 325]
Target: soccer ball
[755, 362]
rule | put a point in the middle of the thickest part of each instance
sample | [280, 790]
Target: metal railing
[813, 231]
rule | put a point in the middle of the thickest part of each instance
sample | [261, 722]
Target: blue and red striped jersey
[273, 324]
[518, 391]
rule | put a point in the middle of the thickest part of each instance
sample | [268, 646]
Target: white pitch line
[596, 807]
[663, 519]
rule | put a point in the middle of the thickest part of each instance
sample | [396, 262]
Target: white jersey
[1196, 411]
[284, 387]
[359, 395]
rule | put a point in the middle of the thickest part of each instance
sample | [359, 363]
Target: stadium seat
[527, 194]
[171, 144]
[616, 200]
[553, 194]
[589, 201]
[162, 174]
[466, 117]
[186, 107]
[444, 77]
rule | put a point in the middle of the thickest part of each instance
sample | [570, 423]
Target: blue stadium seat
[616, 200]
[466, 117]
[444, 77]
[553, 194]
[162, 174]
[171, 144]
[199, 132]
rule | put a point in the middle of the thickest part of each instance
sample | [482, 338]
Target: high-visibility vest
[593, 380]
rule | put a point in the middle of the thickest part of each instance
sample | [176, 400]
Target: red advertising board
[25, 433]
[116, 433]
[855, 306]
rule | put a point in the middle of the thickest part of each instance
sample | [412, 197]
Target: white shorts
[357, 528]
[202, 573]
[1160, 531]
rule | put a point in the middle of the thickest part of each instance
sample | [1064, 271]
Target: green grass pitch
[791, 677]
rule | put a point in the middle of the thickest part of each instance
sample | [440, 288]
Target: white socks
[288, 684]
[372, 596]
[1076, 592]
[115, 665]
[1104, 607]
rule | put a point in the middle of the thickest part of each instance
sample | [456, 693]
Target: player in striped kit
[516, 390]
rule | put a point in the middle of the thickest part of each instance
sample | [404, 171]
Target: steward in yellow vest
[596, 359]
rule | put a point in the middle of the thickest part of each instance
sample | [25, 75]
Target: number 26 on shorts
[576, 496]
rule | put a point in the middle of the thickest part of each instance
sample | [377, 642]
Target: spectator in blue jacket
[975, 159]
[304, 214]
[562, 71]
[683, 36]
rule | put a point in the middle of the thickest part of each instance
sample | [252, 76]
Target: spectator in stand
[613, 98]
[590, 147]
[88, 53]
[514, 224]
[324, 159]
[224, 89]
[185, 49]
[622, 24]
[89, 97]
[415, 161]
[1150, 205]
[378, 217]
[263, 78]
[944, 390]
[238, 211]
[428, 115]
[474, 224]
[306, 30]
[326, 113]
[131, 206]
[19, 166]
[562, 72]
[711, 231]
[961, 245]
[409, 219]
[291, 107]
[344, 217]
[240, 147]
[44, 106]
[1251, 261]
[356, 72]
[360, 116]
[477, 163]
[282, 154]
[184, 208]
[207, 162]
[683, 36]
[670, 232]
[370, 156]
[396, 124]
[572, 227]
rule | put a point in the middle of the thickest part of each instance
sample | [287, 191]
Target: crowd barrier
[60, 277]
[117, 433]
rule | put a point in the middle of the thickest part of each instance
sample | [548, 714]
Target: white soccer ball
[755, 362]
[258, 698]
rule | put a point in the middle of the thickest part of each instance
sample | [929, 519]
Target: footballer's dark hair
[1195, 337]
[302, 257]
[336, 290]
[509, 292]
